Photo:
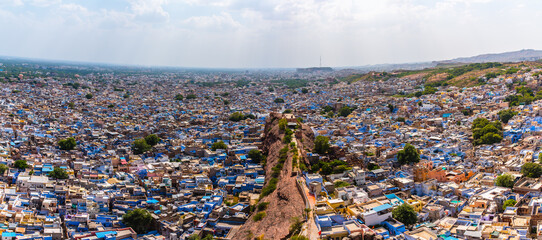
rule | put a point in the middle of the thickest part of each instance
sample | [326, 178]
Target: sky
[266, 33]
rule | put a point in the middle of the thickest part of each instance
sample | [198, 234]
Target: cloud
[213, 3]
[11, 3]
[149, 10]
[44, 3]
[266, 33]
[223, 21]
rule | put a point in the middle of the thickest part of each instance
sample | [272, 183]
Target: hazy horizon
[239, 34]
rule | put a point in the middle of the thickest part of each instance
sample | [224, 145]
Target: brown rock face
[285, 202]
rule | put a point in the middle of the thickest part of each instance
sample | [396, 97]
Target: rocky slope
[285, 202]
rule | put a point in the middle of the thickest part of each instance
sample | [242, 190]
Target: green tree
[219, 145]
[479, 123]
[140, 146]
[278, 100]
[256, 155]
[304, 90]
[505, 180]
[490, 75]
[58, 173]
[408, 155]
[138, 219]
[486, 132]
[391, 107]
[89, 95]
[509, 203]
[3, 169]
[67, 144]
[467, 112]
[326, 169]
[345, 111]
[372, 166]
[321, 144]
[236, 117]
[152, 139]
[405, 214]
[20, 164]
[341, 169]
[191, 96]
[506, 115]
[327, 109]
[179, 97]
[524, 95]
[532, 170]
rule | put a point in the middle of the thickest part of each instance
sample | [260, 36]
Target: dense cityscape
[108, 152]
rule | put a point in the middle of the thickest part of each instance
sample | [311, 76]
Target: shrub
[258, 216]
[270, 188]
[509, 203]
[339, 184]
[262, 206]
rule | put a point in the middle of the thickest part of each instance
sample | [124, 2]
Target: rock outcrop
[286, 202]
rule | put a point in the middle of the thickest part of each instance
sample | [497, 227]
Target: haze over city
[265, 33]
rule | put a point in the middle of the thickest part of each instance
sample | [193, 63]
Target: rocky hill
[285, 202]
[516, 56]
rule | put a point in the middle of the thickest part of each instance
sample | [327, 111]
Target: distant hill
[517, 56]
[507, 57]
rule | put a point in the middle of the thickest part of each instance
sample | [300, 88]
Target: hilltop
[516, 56]
[449, 73]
